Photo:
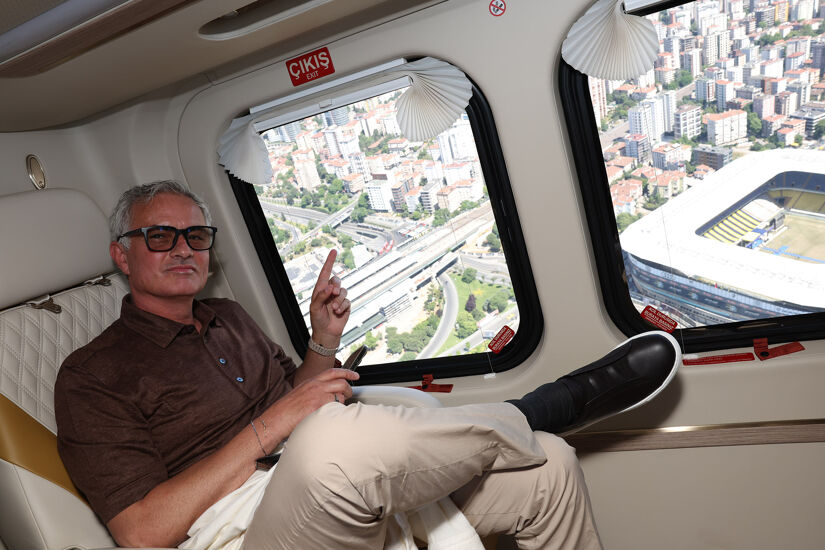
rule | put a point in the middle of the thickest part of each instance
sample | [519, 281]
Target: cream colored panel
[32, 505]
[731, 498]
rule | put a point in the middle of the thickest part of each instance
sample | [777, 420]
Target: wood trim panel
[714, 435]
[25, 442]
[83, 38]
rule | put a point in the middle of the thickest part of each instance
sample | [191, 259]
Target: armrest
[394, 395]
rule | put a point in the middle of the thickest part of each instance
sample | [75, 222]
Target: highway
[448, 318]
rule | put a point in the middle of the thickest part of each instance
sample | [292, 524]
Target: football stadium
[744, 243]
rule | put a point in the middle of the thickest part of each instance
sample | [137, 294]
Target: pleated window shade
[606, 42]
[437, 93]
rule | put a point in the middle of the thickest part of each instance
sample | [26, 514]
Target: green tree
[434, 297]
[499, 300]
[409, 356]
[469, 275]
[370, 340]
[358, 214]
[493, 242]
[394, 344]
[819, 129]
[477, 314]
[440, 217]
[466, 325]
[624, 219]
[348, 259]
[798, 139]
[345, 240]
[754, 125]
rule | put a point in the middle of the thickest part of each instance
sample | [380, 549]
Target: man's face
[177, 273]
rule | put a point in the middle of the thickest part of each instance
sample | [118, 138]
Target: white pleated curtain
[437, 95]
[608, 43]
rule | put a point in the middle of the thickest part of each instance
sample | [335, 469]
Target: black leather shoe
[627, 377]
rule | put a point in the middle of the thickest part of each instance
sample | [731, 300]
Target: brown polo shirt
[150, 397]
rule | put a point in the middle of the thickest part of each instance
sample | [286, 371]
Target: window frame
[531, 320]
[585, 147]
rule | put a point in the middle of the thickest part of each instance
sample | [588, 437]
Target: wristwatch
[321, 350]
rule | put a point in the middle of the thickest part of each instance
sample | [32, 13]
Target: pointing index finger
[326, 270]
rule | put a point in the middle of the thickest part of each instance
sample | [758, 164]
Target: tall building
[716, 45]
[648, 118]
[705, 90]
[598, 96]
[673, 45]
[638, 147]
[802, 89]
[804, 9]
[724, 93]
[692, 61]
[336, 117]
[379, 193]
[818, 55]
[668, 100]
[715, 157]
[287, 132]
[305, 169]
[687, 121]
[728, 127]
[786, 103]
[764, 106]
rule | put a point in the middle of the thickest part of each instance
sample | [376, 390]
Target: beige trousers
[346, 469]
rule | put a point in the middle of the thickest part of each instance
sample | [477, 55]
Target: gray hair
[121, 216]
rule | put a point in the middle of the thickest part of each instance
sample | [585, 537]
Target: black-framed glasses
[163, 238]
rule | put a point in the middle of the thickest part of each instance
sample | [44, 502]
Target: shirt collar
[160, 330]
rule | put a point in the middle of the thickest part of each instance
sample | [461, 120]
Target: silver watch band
[321, 350]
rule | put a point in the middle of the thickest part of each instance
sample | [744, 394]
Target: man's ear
[119, 257]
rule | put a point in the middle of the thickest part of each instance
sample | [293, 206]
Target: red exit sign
[309, 66]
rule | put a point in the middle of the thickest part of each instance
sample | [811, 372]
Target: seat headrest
[49, 240]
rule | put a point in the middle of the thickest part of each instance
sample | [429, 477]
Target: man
[169, 408]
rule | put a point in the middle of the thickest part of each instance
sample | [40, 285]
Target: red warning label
[659, 319]
[501, 338]
[763, 352]
[309, 66]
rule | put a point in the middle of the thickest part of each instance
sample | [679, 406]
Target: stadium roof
[668, 235]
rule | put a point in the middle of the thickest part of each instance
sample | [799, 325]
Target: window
[704, 179]
[431, 275]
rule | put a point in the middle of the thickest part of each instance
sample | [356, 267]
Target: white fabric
[437, 96]
[223, 525]
[608, 43]
[242, 151]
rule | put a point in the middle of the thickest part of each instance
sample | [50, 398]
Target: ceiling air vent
[255, 16]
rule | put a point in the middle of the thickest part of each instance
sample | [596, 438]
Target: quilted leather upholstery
[34, 342]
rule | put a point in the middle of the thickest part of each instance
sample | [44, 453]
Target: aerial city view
[418, 248]
[723, 140]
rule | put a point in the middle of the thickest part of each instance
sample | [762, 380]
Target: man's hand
[329, 308]
[308, 396]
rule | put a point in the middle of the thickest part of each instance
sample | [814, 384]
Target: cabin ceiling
[112, 51]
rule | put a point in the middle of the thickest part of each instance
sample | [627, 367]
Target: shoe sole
[677, 361]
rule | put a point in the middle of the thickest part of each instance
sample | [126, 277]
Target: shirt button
[222, 361]
[239, 379]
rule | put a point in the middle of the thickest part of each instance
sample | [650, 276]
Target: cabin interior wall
[723, 497]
